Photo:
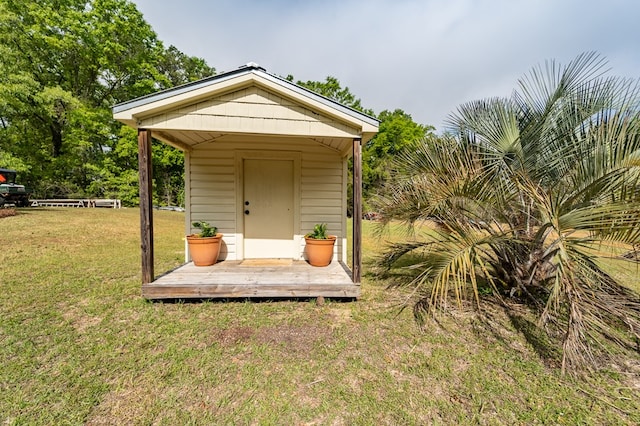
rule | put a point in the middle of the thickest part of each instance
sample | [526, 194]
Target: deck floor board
[231, 279]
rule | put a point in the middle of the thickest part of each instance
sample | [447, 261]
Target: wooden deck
[254, 279]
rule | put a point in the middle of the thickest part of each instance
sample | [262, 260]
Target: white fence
[86, 203]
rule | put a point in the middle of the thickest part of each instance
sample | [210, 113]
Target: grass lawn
[78, 345]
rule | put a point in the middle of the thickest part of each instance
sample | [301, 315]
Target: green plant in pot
[319, 245]
[204, 247]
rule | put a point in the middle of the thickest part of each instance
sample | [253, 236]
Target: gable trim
[252, 72]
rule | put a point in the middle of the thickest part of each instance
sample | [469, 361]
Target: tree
[332, 89]
[65, 64]
[397, 133]
[179, 68]
[528, 192]
[66, 56]
[116, 177]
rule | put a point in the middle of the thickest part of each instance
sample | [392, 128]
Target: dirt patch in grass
[339, 317]
[122, 406]
[7, 213]
[79, 320]
[233, 336]
[296, 339]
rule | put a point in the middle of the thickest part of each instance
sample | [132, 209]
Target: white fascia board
[129, 112]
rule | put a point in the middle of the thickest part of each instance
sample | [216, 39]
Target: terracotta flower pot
[320, 252]
[204, 251]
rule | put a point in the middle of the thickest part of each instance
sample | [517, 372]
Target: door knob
[246, 212]
[246, 203]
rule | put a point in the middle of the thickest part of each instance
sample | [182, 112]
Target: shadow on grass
[548, 350]
[403, 275]
[537, 338]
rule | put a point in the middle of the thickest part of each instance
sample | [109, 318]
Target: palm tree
[528, 192]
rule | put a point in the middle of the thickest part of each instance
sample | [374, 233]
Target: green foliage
[8, 161]
[319, 232]
[206, 230]
[530, 194]
[179, 68]
[65, 64]
[397, 133]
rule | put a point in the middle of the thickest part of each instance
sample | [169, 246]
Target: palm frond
[523, 191]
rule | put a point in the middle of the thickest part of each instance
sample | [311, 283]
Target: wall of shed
[211, 187]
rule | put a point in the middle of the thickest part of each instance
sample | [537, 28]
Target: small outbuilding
[265, 160]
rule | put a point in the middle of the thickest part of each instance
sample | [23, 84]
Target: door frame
[294, 156]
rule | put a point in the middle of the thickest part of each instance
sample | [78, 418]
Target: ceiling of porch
[186, 140]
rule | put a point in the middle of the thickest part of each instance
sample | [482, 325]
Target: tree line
[65, 63]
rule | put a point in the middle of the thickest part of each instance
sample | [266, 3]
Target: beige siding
[213, 183]
[321, 200]
[251, 110]
[241, 96]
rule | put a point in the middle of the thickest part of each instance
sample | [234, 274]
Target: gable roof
[162, 108]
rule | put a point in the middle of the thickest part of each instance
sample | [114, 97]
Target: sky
[425, 57]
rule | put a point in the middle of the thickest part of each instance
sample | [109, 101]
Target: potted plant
[319, 245]
[204, 247]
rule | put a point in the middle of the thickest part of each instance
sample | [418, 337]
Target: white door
[268, 209]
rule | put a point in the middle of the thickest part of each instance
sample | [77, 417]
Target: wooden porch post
[146, 204]
[357, 211]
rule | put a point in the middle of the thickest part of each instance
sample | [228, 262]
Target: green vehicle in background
[10, 192]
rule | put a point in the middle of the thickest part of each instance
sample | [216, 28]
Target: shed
[265, 160]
